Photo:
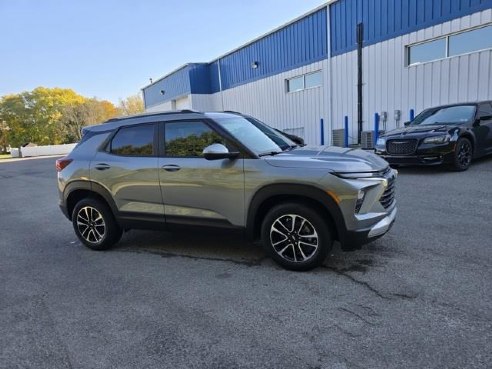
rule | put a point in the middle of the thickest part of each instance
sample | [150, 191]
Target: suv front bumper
[354, 240]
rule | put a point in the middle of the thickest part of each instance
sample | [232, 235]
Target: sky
[110, 48]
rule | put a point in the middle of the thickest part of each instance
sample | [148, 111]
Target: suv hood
[334, 159]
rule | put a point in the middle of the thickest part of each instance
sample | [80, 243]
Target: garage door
[183, 103]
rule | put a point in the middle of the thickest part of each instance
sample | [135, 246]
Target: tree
[4, 135]
[91, 111]
[131, 105]
[49, 116]
[34, 116]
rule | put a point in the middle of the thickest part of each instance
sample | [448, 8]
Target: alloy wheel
[91, 224]
[294, 238]
[464, 154]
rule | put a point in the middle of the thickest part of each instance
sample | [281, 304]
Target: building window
[313, 79]
[295, 84]
[309, 80]
[427, 51]
[468, 42]
[451, 45]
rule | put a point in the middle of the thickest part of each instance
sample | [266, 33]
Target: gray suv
[169, 170]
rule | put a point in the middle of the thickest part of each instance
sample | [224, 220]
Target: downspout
[360, 40]
[329, 85]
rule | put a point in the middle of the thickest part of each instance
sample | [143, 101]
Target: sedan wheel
[463, 154]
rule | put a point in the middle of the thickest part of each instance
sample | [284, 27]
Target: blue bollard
[345, 132]
[322, 132]
[376, 128]
[412, 115]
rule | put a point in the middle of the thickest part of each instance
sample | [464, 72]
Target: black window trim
[107, 147]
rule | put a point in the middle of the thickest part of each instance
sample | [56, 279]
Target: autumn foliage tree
[131, 105]
[54, 115]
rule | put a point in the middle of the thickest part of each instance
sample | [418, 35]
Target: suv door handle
[171, 167]
[102, 166]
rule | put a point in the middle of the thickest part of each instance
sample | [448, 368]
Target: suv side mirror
[218, 151]
[406, 124]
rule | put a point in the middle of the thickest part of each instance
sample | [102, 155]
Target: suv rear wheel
[296, 236]
[94, 224]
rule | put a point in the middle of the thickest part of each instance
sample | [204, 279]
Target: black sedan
[451, 134]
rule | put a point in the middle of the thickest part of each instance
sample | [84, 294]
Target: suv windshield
[255, 135]
[449, 115]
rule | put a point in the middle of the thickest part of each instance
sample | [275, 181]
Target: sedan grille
[401, 147]
[388, 196]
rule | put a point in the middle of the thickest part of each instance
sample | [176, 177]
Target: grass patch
[5, 156]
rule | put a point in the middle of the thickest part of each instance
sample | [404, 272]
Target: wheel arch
[269, 196]
[78, 190]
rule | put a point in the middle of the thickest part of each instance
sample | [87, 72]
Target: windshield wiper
[269, 153]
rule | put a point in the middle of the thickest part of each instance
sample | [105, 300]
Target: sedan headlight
[381, 141]
[437, 139]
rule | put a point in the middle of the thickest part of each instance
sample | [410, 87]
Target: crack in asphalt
[369, 287]
[358, 316]
[359, 282]
[165, 254]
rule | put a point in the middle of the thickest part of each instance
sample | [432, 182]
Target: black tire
[95, 225]
[305, 220]
[463, 154]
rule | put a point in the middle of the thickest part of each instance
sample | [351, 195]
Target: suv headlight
[437, 139]
[360, 200]
[381, 141]
[361, 175]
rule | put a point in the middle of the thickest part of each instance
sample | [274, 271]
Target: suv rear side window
[134, 141]
[188, 139]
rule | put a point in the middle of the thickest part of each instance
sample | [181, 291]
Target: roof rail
[184, 111]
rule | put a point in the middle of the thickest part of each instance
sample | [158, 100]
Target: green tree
[49, 116]
[131, 105]
[35, 116]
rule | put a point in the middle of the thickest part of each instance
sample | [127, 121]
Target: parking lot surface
[420, 297]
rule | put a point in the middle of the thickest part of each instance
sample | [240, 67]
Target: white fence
[41, 150]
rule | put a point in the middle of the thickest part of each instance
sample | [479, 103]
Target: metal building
[345, 61]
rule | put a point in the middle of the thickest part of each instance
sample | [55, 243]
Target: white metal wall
[389, 85]
[268, 100]
[167, 106]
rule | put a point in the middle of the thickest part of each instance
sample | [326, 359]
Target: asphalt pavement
[420, 297]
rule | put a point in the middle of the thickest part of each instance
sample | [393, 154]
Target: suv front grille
[401, 147]
[388, 196]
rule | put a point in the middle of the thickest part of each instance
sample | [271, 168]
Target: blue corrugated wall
[301, 43]
[295, 45]
[174, 85]
[305, 41]
[386, 19]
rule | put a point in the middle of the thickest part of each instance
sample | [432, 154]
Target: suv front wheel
[296, 236]
[94, 224]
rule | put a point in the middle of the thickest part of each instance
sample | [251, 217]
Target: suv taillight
[62, 163]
